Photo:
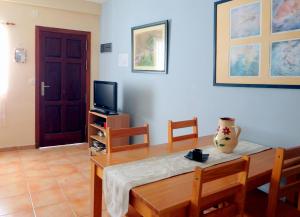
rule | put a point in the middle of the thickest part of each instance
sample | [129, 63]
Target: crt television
[105, 96]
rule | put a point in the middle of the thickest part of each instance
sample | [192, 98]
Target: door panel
[73, 124]
[73, 81]
[53, 46]
[53, 78]
[74, 48]
[63, 58]
[53, 119]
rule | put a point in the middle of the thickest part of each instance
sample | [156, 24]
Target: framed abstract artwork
[150, 48]
[257, 43]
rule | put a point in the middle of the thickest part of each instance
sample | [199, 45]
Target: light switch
[123, 60]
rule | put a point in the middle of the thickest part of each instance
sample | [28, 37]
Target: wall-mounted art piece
[245, 60]
[150, 48]
[257, 43]
[285, 15]
[285, 58]
[245, 20]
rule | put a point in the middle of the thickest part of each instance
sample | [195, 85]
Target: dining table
[170, 197]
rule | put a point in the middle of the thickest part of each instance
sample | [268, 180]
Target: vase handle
[238, 131]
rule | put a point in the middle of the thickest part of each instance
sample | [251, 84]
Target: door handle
[43, 86]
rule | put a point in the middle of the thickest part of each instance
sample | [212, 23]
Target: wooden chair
[287, 165]
[231, 197]
[182, 124]
[126, 132]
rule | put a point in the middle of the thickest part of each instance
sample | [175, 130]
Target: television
[105, 97]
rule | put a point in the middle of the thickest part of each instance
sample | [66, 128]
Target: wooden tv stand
[100, 122]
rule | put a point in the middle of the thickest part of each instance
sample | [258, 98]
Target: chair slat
[295, 186]
[224, 170]
[180, 138]
[124, 132]
[292, 153]
[184, 124]
[290, 171]
[291, 162]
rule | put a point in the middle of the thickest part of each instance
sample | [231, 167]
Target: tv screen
[105, 95]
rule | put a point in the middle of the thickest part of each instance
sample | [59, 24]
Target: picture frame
[149, 45]
[254, 55]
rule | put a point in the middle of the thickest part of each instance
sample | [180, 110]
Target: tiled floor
[52, 182]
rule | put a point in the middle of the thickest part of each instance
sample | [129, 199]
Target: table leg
[96, 192]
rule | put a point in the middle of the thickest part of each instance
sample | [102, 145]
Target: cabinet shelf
[99, 139]
[98, 127]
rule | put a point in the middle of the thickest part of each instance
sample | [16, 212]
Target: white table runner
[119, 179]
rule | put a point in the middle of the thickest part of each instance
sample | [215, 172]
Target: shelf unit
[100, 122]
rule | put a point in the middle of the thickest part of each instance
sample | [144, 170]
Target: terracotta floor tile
[31, 155]
[77, 191]
[83, 166]
[13, 189]
[81, 207]
[57, 179]
[15, 204]
[34, 165]
[38, 173]
[41, 184]
[75, 151]
[64, 169]
[54, 162]
[48, 197]
[55, 210]
[86, 174]
[9, 159]
[74, 178]
[10, 178]
[10, 168]
[25, 213]
[78, 158]
[55, 155]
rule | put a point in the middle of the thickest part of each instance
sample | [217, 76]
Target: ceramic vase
[227, 136]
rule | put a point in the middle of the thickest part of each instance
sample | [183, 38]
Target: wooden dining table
[170, 197]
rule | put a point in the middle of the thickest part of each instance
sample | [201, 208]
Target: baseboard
[25, 147]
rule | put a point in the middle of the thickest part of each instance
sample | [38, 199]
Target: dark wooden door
[62, 83]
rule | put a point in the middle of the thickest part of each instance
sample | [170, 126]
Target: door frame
[38, 30]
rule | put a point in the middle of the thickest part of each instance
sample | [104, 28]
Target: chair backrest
[286, 165]
[231, 196]
[126, 132]
[182, 124]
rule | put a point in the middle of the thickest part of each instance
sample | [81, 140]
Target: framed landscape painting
[257, 43]
[150, 48]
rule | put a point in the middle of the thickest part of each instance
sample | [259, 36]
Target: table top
[177, 191]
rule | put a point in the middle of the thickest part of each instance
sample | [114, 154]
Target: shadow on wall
[138, 102]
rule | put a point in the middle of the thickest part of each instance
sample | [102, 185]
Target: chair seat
[257, 203]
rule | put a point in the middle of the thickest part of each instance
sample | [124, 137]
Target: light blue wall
[267, 116]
